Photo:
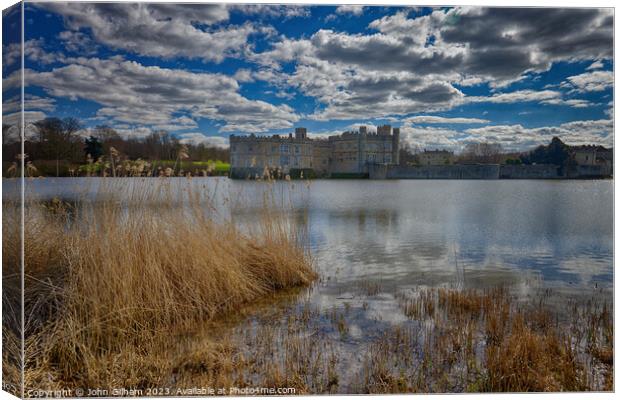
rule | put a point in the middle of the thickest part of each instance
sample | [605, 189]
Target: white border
[525, 3]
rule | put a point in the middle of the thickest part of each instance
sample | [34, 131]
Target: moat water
[425, 232]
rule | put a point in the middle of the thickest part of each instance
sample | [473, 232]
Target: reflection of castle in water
[349, 153]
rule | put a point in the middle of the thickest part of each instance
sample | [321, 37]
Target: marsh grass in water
[457, 341]
[111, 285]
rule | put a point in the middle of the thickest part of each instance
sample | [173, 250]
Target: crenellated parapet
[349, 152]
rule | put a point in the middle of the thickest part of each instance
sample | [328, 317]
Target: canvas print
[274, 199]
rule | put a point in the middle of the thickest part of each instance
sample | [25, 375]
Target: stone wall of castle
[348, 153]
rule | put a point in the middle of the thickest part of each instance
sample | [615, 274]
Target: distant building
[348, 153]
[585, 155]
[436, 157]
[605, 158]
[597, 157]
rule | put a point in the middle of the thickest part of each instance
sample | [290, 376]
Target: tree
[59, 140]
[93, 148]
[556, 153]
[408, 154]
[484, 153]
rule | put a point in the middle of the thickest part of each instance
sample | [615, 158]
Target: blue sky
[446, 76]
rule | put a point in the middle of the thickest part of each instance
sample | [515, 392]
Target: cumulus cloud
[243, 75]
[412, 64]
[33, 51]
[548, 97]
[78, 42]
[595, 81]
[161, 98]
[350, 9]
[518, 96]
[273, 11]
[160, 30]
[36, 108]
[517, 137]
[506, 42]
[31, 103]
[512, 137]
[432, 119]
[199, 138]
[598, 64]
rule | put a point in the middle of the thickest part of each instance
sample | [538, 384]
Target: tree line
[556, 153]
[62, 141]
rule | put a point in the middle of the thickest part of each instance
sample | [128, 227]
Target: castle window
[284, 148]
[284, 160]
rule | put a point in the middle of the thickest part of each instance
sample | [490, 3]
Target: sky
[446, 76]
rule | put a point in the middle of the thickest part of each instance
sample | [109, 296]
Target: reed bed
[490, 341]
[456, 341]
[113, 283]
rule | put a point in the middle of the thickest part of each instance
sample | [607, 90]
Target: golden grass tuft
[489, 341]
[110, 283]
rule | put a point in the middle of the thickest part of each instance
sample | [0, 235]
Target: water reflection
[406, 233]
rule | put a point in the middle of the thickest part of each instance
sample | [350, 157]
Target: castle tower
[301, 133]
[384, 130]
[396, 146]
[361, 149]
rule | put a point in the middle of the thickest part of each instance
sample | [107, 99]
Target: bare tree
[485, 153]
[59, 140]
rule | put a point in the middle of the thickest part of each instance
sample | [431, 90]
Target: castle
[347, 154]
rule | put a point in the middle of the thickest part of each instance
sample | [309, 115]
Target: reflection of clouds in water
[385, 311]
[355, 331]
[406, 232]
[587, 270]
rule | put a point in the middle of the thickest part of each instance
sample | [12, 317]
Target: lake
[427, 232]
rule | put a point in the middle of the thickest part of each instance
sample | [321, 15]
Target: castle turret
[300, 133]
[396, 146]
[361, 149]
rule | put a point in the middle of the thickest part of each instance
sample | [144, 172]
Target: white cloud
[411, 65]
[159, 30]
[431, 119]
[595, 81]
[350, 9]
[511, 137]
[243, 75]
[158, 97]
[575, 103]
[31, 103]
[273, 11]
[517, 96]
[598, 64]
[199, 138]
[33, 51]
[78, 42]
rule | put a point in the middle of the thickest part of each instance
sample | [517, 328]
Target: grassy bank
[64, 168]
[112, 285]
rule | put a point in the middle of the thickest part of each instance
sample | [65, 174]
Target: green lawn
[66, 168]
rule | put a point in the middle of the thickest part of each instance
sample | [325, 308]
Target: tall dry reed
[111, 282]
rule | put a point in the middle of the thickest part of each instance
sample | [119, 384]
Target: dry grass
[111, 285]
[487, 341]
